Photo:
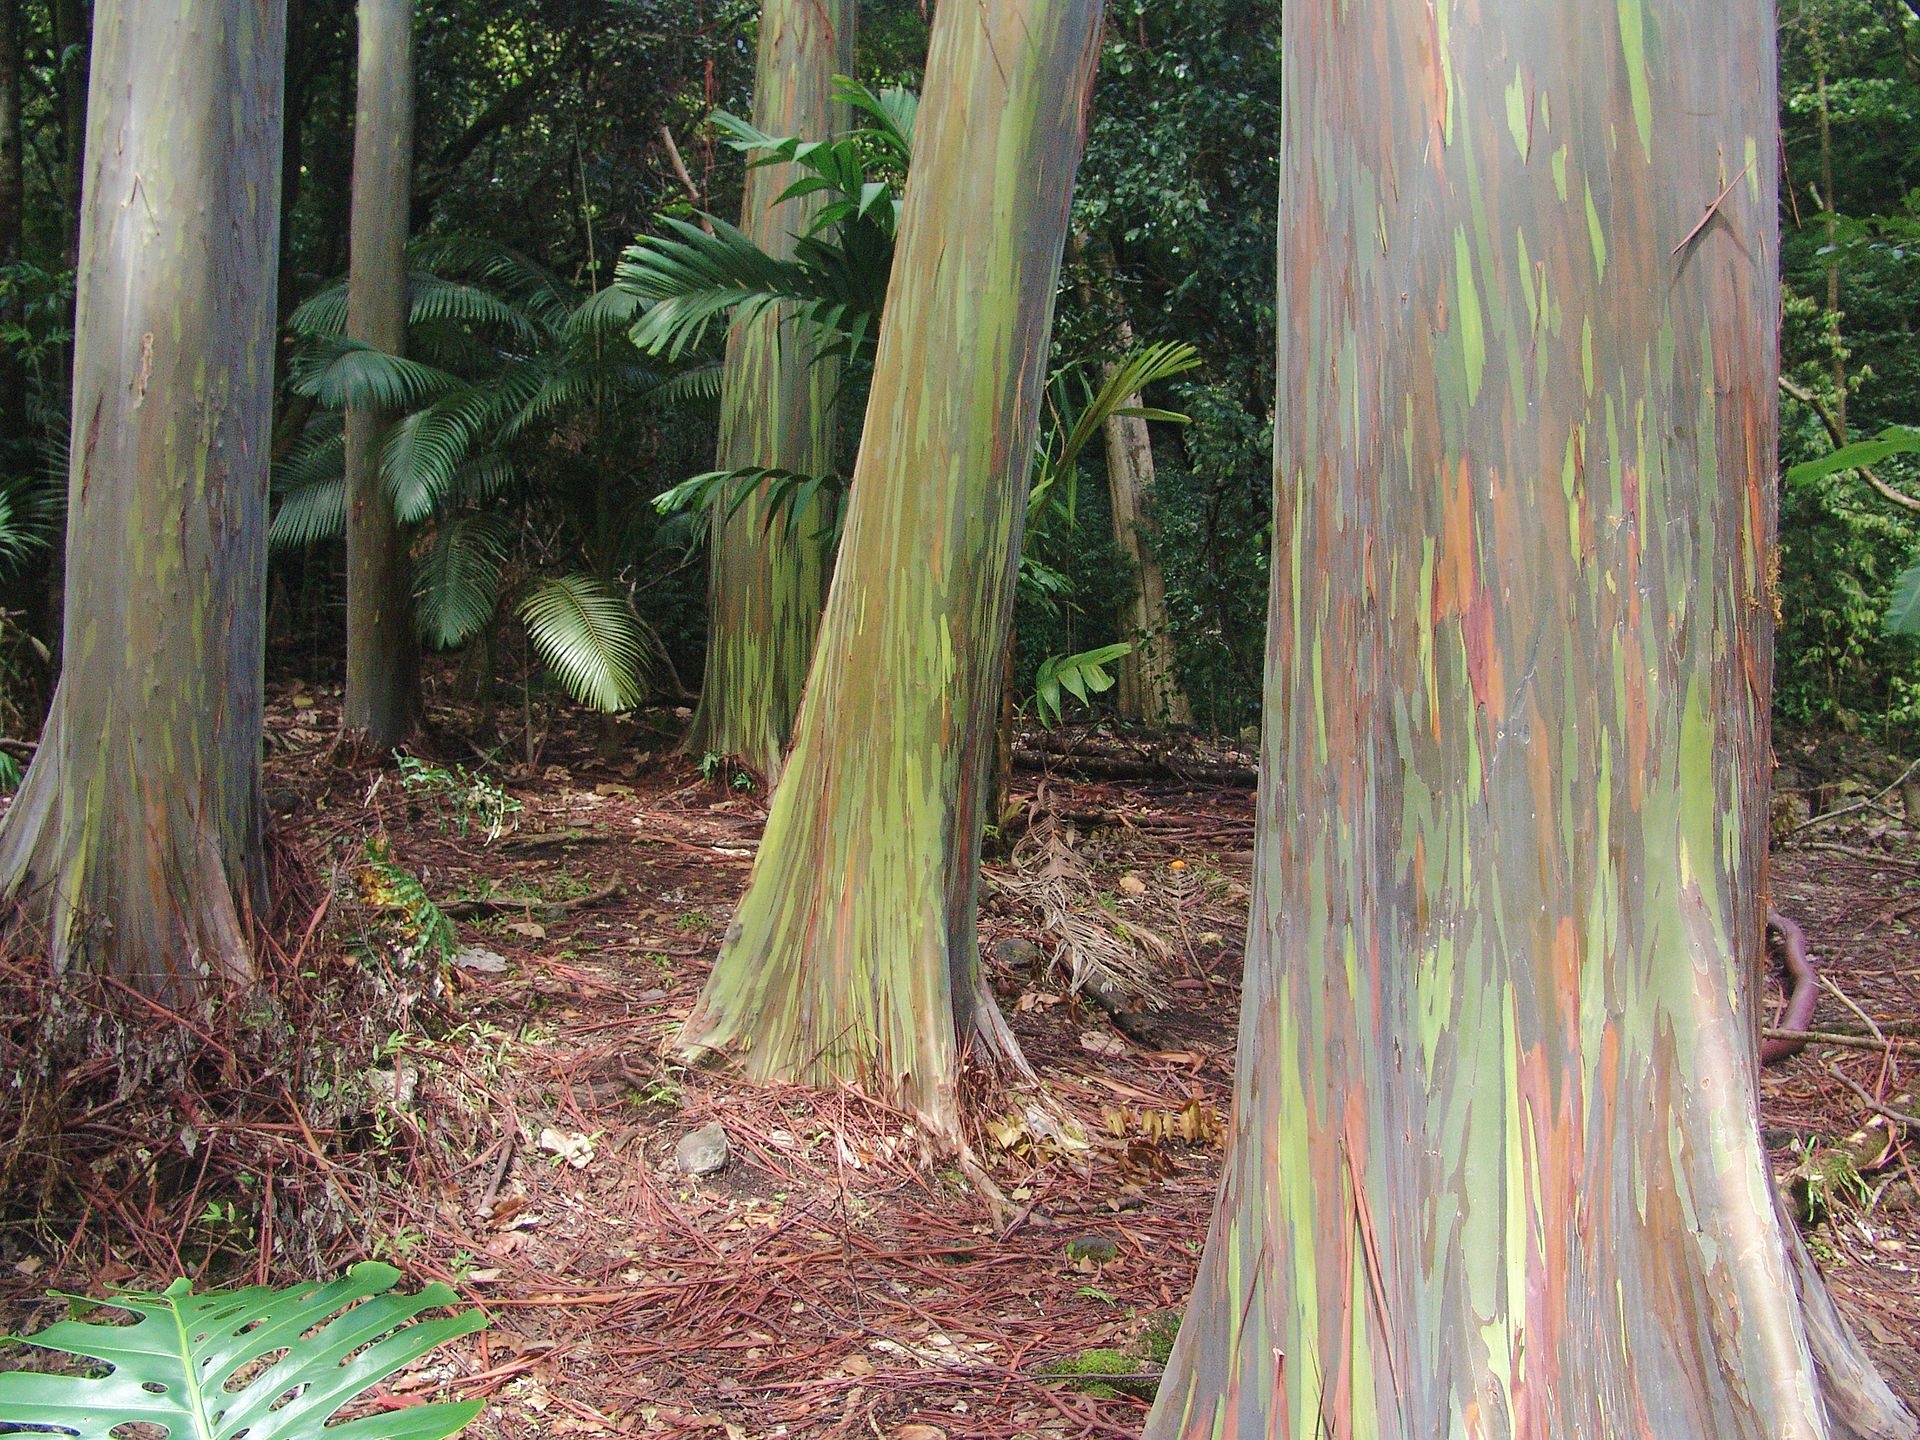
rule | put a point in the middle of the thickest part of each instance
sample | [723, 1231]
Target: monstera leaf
[202, 1365]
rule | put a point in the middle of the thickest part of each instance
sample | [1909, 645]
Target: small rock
[1088, 1252]
[1019, 954]
[478, 957]
[703, 1152]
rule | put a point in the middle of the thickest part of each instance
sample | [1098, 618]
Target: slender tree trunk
[777, 411]
[382, 653]
[72, 32]
[854, 954]
[1148, 686]
[13, 378]
[134, 842]
[1496, 1167]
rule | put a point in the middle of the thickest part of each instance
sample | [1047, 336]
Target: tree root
[1803, 995]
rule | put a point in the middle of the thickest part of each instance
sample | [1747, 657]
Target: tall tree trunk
[72, 35]
[1148, 686]
[13, 377]
[777, 411]
[382, 654]
[134, 844]
[854, 954]
[1496, 1167]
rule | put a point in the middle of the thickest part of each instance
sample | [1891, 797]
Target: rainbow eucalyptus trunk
[777, 412]
[382, 654]
[134, 844]
[853, 956]
[1497, 1170]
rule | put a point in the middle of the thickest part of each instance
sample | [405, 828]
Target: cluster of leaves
[497, 346]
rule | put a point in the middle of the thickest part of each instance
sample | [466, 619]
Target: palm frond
[541, 293]
[322, 314]
[891, 115]
[608, 311]
[431, 298]
[456, 582]
[589, 637]
[343, 374]
[700, 383]
[310, 512]
[425, 450]
[689, 279]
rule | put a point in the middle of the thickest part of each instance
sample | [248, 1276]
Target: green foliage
[463, 799]
[1082, 676]
[833, 289]
[204, 1367]
[456, 581]
[1105, 1373]
[1850, 221]
[590, 638]
[407, 921]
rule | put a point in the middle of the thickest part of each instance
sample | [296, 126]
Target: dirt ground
[831, 1280]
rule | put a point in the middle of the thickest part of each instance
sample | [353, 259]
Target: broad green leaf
[1903, 615]
[1894, 440]
[174, 1365]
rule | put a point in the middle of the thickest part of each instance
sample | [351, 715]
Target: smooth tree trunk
[854, 955]
[133, 846]
[766, 583]
[1147, 686]
[1496, 1167]
[382, 653]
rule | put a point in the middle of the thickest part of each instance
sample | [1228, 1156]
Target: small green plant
[176, 1365]
[463, 799]
[409, 919]
[717, 769]
[1081, 676]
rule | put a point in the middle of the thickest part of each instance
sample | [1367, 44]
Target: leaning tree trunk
[134, 843]
[382, 654]
[777, 412]
[1497, 1168]
[853, 955]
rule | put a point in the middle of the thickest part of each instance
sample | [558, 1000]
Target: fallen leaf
[532, 929]
[1103, 1042]
[574, 1148]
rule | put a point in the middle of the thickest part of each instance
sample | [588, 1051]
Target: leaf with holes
[180, 1365]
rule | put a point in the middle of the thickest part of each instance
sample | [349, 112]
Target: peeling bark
[854, 956]
[1496, 1166]
[134, 844]
[778, 411]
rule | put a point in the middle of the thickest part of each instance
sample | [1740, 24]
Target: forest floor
[831, 1280]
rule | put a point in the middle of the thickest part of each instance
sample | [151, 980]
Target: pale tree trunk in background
[854, 955]
[382, 653]
[1148, 685]
[134, 844]
[777, 412]
[1497, 1167]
